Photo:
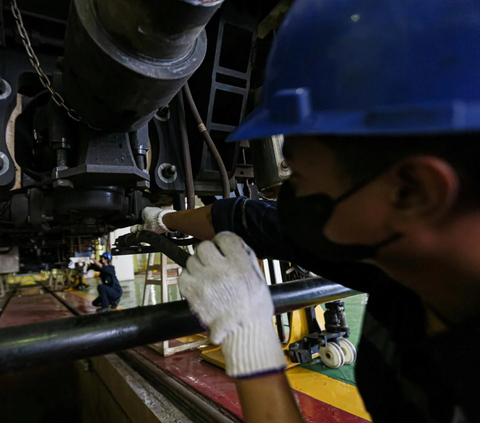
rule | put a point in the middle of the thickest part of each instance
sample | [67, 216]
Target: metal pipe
[75, 338]
[165, 29]
[208, 139]
[125, 59]
[187, 161]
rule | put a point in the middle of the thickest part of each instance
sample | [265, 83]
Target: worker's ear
[425, 189]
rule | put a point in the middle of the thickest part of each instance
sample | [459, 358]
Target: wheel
[349, 350]
[332, 355]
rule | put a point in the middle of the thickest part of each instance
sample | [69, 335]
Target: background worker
[380, 107]
[110, 291]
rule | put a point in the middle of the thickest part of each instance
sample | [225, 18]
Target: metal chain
[56, 97]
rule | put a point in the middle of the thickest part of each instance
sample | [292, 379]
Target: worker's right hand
[153, 220]
[225, 288]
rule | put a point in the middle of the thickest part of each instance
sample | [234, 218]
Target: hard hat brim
[259, 124]
[256, 125]
[420, 119]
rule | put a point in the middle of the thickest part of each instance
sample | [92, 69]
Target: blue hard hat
[371, 67]
[107, 255]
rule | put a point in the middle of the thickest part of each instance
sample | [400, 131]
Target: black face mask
[303, 221]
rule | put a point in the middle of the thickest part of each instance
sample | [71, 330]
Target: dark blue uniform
[403, 374]
[110, 291]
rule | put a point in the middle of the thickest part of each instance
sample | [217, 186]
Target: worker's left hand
[225, 288]
[153, 218]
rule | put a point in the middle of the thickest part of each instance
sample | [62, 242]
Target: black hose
[187, 161]
[36, 176]
[7, 195]
[208, 139]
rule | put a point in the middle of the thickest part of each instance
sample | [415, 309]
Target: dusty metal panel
[10, 262]
[138, 399]
[10, 138]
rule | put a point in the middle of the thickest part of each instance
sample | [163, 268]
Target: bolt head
[169, 171]
[163, 114]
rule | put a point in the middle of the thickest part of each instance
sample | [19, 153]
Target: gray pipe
[125, 59]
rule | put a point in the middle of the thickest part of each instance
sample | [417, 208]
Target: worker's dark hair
[361, 155]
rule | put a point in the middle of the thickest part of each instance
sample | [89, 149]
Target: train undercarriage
[97, 121]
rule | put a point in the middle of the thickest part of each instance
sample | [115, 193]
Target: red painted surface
[30, 308]
[214, 384]
[82, 305]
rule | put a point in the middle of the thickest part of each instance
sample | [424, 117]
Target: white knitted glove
[153, 218]
[225, 288]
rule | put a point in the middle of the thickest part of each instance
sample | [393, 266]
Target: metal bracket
[233, 84]
[126, 251]
[163, 132]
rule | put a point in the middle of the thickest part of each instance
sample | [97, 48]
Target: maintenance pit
[142, 385]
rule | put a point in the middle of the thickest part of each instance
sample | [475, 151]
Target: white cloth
[153, 218]
[225, 288]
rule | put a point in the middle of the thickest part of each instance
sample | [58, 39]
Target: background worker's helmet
[371, 67]
[107, 255]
